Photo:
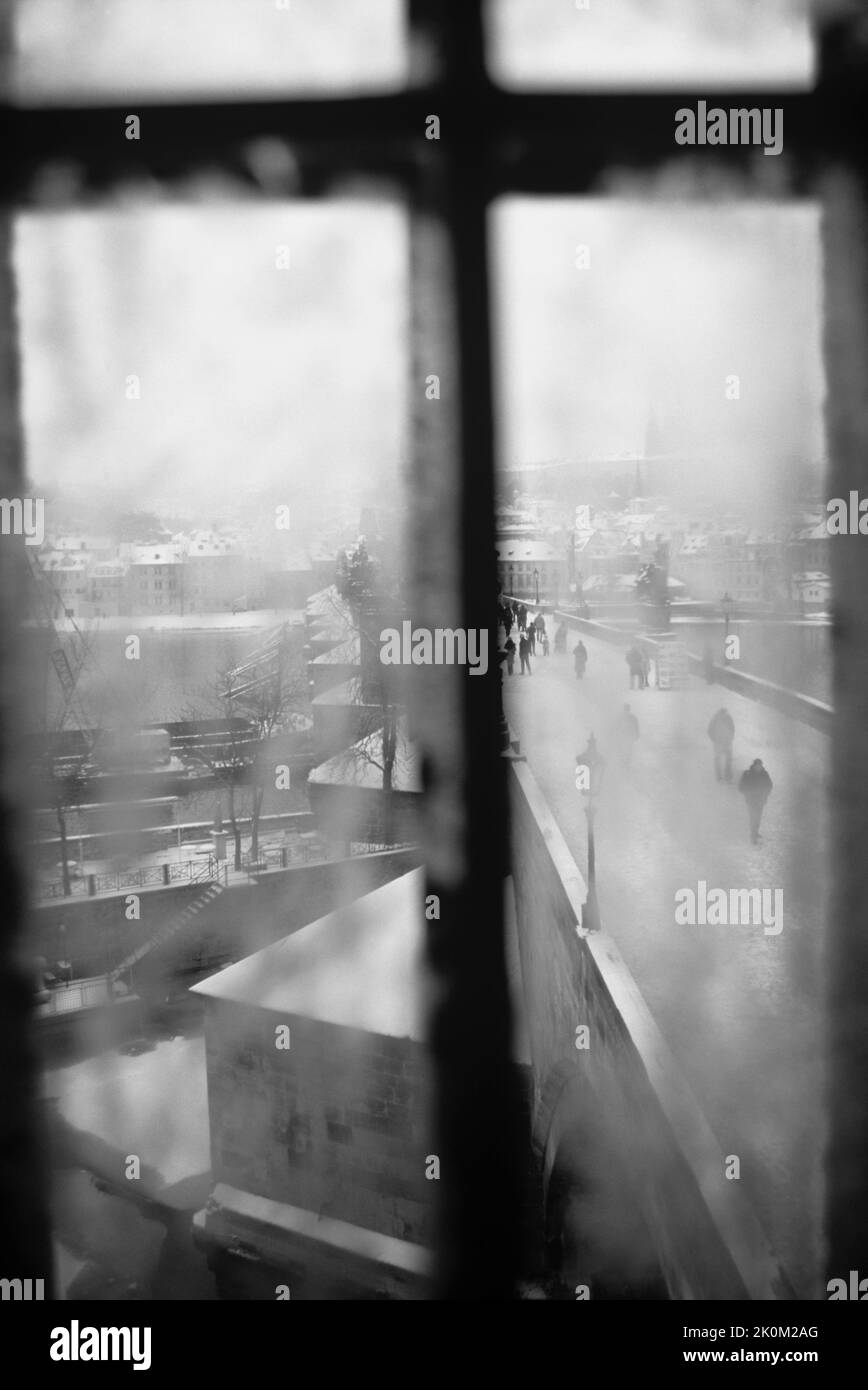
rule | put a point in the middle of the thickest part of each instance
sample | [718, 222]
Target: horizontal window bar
[532, 142]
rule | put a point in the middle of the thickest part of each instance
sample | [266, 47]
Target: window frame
[493, 142]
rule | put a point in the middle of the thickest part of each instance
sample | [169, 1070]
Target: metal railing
[289, 855]
[284, 856]
[164, 875]
[97, 844]
[78, 994]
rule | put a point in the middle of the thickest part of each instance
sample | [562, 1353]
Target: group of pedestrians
[531, 638]
[524, 651]
[531, 632]
[755, 784]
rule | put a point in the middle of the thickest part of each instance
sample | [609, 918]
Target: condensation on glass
[79, 51]
[630, 45]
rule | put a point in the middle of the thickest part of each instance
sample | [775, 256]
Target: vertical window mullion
[478, 1123]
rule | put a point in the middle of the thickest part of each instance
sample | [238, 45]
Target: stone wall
[789, 702]
[336, 1124]
[244, 918]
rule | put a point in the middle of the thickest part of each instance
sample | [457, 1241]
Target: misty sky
[653, 42]
[255, 374]
[676, 298]
[250, 375]
[87, 48]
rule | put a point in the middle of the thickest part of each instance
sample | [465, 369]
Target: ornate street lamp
[536, 584]
[590, 767]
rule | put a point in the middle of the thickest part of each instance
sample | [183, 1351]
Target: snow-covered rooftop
[359, 967]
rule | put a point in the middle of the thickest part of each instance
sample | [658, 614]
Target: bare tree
[380, 747]
[228, 754]
[255, 705]
[380, 743]
[273, 704]
[227, 758]
[62, 782]
[63, 766]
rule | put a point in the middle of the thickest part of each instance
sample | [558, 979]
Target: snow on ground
[741, 1010]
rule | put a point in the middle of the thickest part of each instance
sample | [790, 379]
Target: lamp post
[726, 604]
[590, 766]
[511, 582]
[536, 584]
[503, 726]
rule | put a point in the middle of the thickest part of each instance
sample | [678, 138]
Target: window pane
[214, 406]
[243, 324]
[650, 43]
[83, 50]
[660, 389]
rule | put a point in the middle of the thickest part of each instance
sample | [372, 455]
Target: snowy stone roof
[325, 602]
[521, 551]
[344, 693]
[155, 555]
[359, 967]
[360, 765]
[347, 653]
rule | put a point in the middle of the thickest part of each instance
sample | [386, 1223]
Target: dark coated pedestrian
[636, 663]
[755, 786]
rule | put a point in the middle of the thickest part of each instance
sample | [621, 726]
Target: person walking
[634, 662]
[755, 786]
[522, 618]
[627, 732]
[524, 654]
[580, 658]
[509, 647]
[721, 731]
[561, 639]
[531, 636]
